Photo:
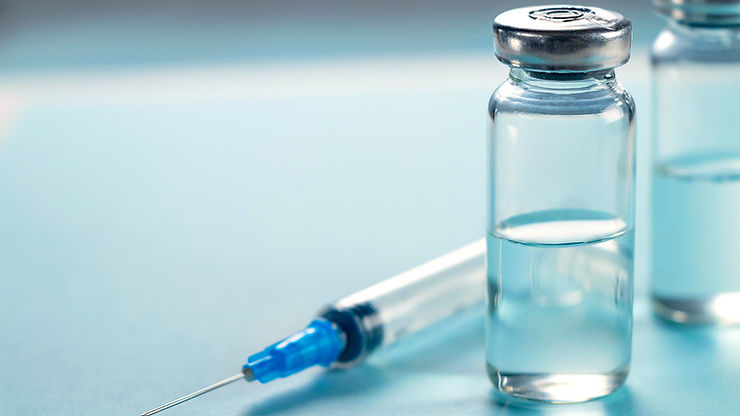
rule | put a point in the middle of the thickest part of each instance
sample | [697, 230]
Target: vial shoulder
[683, 44]
[608, 97]
[624, 100]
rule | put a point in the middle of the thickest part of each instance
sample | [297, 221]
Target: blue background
[167, 211]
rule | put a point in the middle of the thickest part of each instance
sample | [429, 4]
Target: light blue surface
[147, 248]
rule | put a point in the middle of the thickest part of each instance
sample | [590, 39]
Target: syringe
[346, 331]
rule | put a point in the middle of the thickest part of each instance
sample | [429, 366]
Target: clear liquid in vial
[559, 321]
[696, 239]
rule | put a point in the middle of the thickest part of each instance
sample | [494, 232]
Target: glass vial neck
[562, 80]
[719, 31]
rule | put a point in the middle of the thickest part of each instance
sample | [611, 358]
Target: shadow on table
[325, 387]
[711, 348]
[435, 350]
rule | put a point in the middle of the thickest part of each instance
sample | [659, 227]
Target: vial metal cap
[701, 12]
[562, 38]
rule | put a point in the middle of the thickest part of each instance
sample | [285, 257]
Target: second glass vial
[561, 202]
[695, 275]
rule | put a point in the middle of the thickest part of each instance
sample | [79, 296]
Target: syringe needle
[195, 394]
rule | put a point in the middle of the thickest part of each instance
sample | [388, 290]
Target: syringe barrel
[410, 301]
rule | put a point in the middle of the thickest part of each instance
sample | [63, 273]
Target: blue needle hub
[317, 344]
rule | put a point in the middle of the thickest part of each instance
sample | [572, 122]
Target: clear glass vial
[561, 201]
[695, 274]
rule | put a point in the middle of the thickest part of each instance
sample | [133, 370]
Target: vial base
[556, 387]
[723, 308]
